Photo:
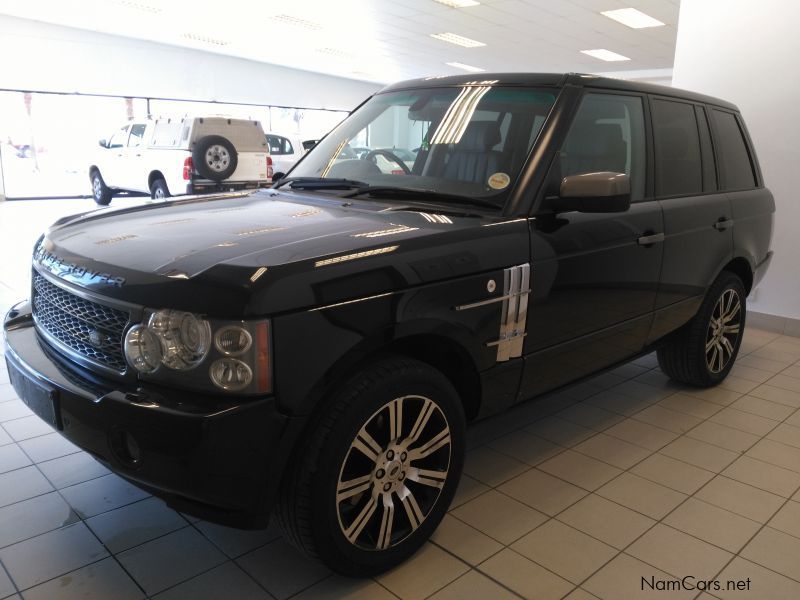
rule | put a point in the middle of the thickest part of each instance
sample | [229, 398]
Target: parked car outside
[285, 151]
[177, 156]
[314, 351]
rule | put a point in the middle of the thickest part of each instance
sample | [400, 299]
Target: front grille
[92, 330]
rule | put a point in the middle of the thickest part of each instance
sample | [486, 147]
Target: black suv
[315, 350]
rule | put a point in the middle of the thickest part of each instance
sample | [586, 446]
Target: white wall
[43, 57]
[749, 53]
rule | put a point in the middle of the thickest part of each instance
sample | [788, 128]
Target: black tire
[214, 157]
[686, 357]
[309, 510]
[101, 193]
[159, 190]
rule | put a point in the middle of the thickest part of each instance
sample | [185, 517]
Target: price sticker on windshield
[499, 181]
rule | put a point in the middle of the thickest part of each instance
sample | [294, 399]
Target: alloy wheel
[393, 473]
[97, 187]
[217, 158]
[723, 330]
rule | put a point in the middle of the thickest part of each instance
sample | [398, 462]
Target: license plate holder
[41, 399]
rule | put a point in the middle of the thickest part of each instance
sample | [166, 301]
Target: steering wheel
[390, 155]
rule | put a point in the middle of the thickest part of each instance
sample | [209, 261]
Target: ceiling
[384, 40]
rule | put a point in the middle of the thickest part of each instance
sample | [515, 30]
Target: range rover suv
[315, 351]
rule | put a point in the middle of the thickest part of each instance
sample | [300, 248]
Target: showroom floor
[581, 495]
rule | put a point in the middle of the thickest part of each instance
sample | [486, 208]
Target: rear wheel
[703, 352]
[378, 470]
[100, 191]
[159, 190]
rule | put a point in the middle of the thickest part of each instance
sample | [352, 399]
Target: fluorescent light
[633, 18]
[458, 3]
[335, 52]
[458, 40]
[204, 39]
[469, 68]
[297, 22]
[604, 54]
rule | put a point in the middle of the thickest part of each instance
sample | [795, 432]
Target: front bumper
[208, 456]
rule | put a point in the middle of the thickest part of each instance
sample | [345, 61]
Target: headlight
[233, 340]
[184, 337]
[143, 349]
[230, 374]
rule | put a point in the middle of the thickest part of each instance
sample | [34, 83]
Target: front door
[594, 276]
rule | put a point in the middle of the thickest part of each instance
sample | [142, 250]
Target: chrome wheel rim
[393, 473]
[159, 193]
[217, 158]
[97, 187]
[723, 330]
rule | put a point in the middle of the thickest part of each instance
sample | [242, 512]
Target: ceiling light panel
[204, 39]
[606, 55]
[458, 40]
[297, 22]
[458, 3]
[469, 68]
[633, 18]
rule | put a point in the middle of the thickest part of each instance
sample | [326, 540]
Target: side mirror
[603, 192]
[103, 143]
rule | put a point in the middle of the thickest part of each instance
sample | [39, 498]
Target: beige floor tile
[788, 519]
[740, 498]
[657, 378]
[560, 431]
[580, 594]
[332, 588]
[466, 542]
[673, 473]
[468, 488]
[786, 434]
[622, 579]
[690, 405]
[473, 585]
[764, 364]
[613, 451]
[543, 492]
[744, 421]
[525, 447]
[749, 581]
[525, 577]
[785, 382]
[490, 467]
[499, 516]
[777, 355]
[717, 395]
[642, 434]
[764, 475]
[775, 550]
[737, 384]
[428, 571]
[667, 419]
[590, 416]
[777, 454]
[580, 470]
[723, 436]
[641, 495]
[678, 553]
[700, 454]
[607, 521]
[564, 550]
[713, 524]
[794, 420]
[643, 391]
[619, 403]
[763, 408]
[777, 394]
[793, 371]
[750, 373]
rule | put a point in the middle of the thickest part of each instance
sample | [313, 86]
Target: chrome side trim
[490, 300]
[335, 304]
[513, 315]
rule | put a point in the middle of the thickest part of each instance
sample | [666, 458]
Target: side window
[287, 146]
[678, 169]
[736, 170]
[119, 139]
[707, 150]
[279, 145]
[137, 135]
[607, 134]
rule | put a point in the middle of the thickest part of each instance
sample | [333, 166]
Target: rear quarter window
[678, 168]
[736, 168]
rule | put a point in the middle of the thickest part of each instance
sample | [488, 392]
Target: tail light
[269, 167]
[188, 167]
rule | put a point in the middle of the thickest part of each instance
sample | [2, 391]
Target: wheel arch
[153, 177]
[742, 268]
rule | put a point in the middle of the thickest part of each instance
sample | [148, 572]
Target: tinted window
[279, 145]
[607, 135]
[735, 168]
[707, 150]
[678, 168]
[137, 135]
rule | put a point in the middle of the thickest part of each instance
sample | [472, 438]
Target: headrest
[480, 136]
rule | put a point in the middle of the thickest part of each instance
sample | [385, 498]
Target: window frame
[758, 181]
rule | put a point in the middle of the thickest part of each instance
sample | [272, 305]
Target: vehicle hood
[236, 246]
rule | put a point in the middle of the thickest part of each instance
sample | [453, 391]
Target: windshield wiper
[320, 183]
[414, 194]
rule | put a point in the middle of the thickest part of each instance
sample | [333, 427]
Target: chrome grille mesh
[90, 329]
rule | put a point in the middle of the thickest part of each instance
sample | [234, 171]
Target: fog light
[143, 349]
[233, 340]
[230, 374]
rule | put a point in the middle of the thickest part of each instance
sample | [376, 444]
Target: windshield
[466, 141]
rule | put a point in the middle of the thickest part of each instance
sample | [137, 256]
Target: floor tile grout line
[11, 579]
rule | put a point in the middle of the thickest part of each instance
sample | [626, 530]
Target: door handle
[649, 238]
[723, 223]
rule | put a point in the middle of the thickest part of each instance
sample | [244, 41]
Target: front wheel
[101, 193]
[159, 190]
[378, 469]
[703, 352]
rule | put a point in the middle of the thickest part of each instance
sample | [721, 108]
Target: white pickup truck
[174, 156]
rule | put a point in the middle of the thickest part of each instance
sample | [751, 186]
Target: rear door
[594, 276]
[697, 215]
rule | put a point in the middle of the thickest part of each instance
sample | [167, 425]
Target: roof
[558, 80]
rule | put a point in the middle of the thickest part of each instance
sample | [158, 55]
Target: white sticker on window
[499, 181]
